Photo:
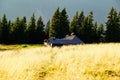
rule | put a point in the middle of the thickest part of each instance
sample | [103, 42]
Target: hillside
[79, 62]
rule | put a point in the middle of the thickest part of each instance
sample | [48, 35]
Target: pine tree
[64, 24]
[46, 29]
[88, 31]
[31, 29]
[74, 23]
[55, 25]
[4, 30]
[16, 31]
[23, 24]
[119, 18]
[84, 30]
[100, 33]
[0, 31]
[59, 23]
[40, 35]
[9, 23]
[119, 25]
[80, 24]
[113, 27]
[94, 33]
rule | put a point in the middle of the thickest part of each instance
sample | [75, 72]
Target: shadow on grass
[18, 46]
[3, 49]
[110, 73]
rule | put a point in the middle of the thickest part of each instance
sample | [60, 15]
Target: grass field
[18, 46]
[78, 62]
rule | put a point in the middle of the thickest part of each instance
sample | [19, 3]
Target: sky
[46, 8]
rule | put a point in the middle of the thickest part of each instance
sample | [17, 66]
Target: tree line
[35, 31]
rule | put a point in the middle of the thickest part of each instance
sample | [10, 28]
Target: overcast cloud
[46, 8]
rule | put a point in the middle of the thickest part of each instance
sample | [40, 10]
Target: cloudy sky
[46, 8]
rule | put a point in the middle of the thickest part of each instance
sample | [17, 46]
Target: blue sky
[46, 8]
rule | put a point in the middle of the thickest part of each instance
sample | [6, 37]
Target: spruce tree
[16, 31]
[119, 25]
[0, 31]
[55, 25]
[64, 24]
[40, 35]
[31, 29]
[84, 32]
[94, 33]
[100, 33]
[4, 30]
[88, 31]
[46, 29]
[73, 23]
[59, 23]
[23, 25]
[80, 24]
[9, 23]
[113, 27]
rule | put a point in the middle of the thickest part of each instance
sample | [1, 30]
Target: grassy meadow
[75, 62]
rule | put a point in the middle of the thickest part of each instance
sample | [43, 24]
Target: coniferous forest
[34, 31]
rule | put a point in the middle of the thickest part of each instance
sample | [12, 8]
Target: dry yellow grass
[79, 62]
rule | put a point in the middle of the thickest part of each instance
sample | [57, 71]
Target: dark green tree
[55, 25]
[46, 29]
[84, 30]
[31, 30]
[88, 30]
[9, 24]
[23, 24]
[94, 33]
[40, 34]
[100, 33]
[4, 30]
[80, 24]
[18, 30]
[15, 31]
[119, 17]
[113, 26]
[59, 23]
[64, 24]
[73, 23]
[0, 30]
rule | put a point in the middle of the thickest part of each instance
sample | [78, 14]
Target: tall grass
[78, 62]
